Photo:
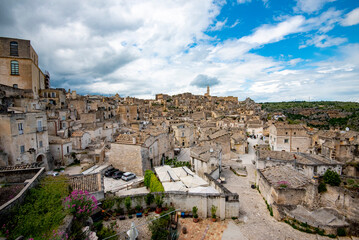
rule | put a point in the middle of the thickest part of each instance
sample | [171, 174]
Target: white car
[128, 176]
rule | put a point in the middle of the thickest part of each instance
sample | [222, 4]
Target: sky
[268, 50]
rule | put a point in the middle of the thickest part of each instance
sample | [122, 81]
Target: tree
[332, 178]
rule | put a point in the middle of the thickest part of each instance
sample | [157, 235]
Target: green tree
[332, 178]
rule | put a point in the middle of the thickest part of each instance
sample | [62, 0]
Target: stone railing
[19, 198]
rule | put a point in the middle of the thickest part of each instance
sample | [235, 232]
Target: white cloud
[243, 1]
[352, 18]
[323, 41]
[310, 6]
[273, 33]
[218, 26]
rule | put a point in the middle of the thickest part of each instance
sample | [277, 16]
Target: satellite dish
[347, 129]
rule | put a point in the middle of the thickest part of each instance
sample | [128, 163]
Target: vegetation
[348, 113]
[159, 227]
[194, 211]
[175, 163]
[104, 232]
[304, 227]
[214, 211]
[155, 184]
[128, 203]
[269, 207]
[147, 178]
[41, 212]
[332, 178]
[149, 199]
[159, 200]
[322, 187]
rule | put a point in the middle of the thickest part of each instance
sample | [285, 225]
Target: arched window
[14, 49]
[14, 67]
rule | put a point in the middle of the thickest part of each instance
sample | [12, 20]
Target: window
[20, 127]
[68, 149]
[182, 134]
[39, 126]
[14, 67]
[53, 94]
[286, 140]
[14, 49]
[40, 144]
[286, 133]
[15, 86]
[295, 133]
[22, 149]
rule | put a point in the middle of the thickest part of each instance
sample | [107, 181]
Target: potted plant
[149, 199]
[128, 204]
[159, 202]
[195, 215]
[213, 212]
[146, 212]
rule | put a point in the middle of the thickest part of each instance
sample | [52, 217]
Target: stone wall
[127, 158]
[185, 201]
[343, 200]
[19, 198]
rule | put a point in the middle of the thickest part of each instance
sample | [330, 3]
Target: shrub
[128, 203]
[194, 211]
[159, 200]
[41, 212]
[341, 232]
[332, 178]
[80, 203]
[105, 232]
[147, 178]
[159, 227]
[322, 187]
[214, 211]
[149, 199]
[108, 203]
[156, 185]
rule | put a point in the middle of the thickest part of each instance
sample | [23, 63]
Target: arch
[40, 158]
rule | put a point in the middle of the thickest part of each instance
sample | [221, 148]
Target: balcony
[41, 129]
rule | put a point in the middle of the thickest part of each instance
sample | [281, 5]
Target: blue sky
[269, 50]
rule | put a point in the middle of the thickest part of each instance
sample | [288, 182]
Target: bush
[194, 211]
[159, 200]
[128, 203]
[322, 187]
[341, 232]
[147, 178]
[156, 185]
[149, 199]
[159, 227]
[214, 211]
[332, 178]
[41, 212]
[105, 232]
[81, 204]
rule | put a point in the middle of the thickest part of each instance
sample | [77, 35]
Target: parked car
[128, 176]
[117, 175]
[110, 172]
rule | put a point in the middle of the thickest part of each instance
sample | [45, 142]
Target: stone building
[55, 98]
[289, 138]
[205, 159]
[141, 151]
[24, 137]
[184, 134]
[60, 150]
[283, 185]
[239, 143]
[305, 163]
[19, 66]
[80, 140]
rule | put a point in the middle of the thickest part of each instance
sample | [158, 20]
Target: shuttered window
[14, 67]
[14, 49]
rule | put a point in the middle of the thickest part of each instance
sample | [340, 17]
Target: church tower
[207, 94]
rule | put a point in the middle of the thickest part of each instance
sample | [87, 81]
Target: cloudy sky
[269, 50]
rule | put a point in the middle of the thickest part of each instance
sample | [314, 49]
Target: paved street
[255, 221]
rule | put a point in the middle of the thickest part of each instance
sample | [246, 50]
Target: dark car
[117, 175]
[110, 171]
